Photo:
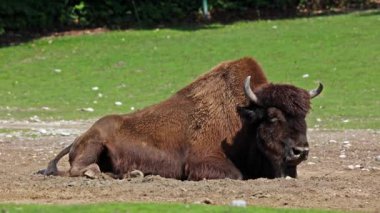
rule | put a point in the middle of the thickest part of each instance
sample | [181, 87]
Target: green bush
[31, 15]
[169, 11]
[249, 9]
[235, 5]
[328, 5]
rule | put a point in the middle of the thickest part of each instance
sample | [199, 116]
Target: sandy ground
[343, 173]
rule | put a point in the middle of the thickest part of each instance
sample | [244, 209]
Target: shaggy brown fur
[178, 138]
[290, 99]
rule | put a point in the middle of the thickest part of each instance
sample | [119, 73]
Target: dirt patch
[342, 173]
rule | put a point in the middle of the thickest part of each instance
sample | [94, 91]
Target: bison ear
[250, 115]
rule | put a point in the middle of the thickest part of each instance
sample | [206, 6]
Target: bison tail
[52, 166]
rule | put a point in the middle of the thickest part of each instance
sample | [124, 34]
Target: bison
[211, 129]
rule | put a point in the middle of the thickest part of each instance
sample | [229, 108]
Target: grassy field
[165, 208]
[142, 67]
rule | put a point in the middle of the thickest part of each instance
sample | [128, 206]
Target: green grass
[142, 67]
[165, 208]
[6, 130]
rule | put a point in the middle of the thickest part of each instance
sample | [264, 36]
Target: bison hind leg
[92, 171]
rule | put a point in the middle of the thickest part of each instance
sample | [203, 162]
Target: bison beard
[198, 133]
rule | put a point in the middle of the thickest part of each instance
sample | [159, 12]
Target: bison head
[277, 114]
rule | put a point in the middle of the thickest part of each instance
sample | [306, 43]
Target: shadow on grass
[371, 13]
[16, 38]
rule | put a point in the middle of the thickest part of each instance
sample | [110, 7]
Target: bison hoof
[90, 174]
[136, 174]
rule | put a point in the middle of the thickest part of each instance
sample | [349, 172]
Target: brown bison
[210, 129]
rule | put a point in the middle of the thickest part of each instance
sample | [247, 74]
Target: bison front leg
[211, 169]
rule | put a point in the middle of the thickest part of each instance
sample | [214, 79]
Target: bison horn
[248, 91]
[315, 92]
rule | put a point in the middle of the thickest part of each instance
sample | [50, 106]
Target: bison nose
[301, 152]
